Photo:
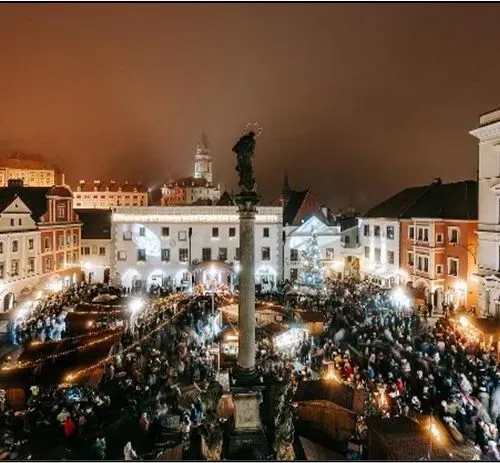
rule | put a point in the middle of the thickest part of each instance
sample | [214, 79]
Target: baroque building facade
[178, 247]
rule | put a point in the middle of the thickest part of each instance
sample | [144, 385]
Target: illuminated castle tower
[203, 160]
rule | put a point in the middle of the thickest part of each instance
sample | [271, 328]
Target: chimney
[437, 181]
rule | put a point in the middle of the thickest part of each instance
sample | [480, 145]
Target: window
[426, 264]
[215, 232]
[411, 233]
[14, 268]
[165, 255]
[426, 235]
[2, 270]
[15, 246]
[48, 263]
[265, 232]
[94, 250]
[367, 252]
[439, 237]
[12, 222]
[237, 254]
[439, 269]
[390, 233]
[86, 250]
[330, 253]
[141, 255]
[68, 240]
[266, 253]
[411, 259]
[377, 254]
[127, 235]
[102, 251]
[206, 254]
[232, 232]
[223, 254]
[46, 243]
[31, 265]
[420, 234]
[1, 247]
[453, 235]
[75, 240]
[390, 257]
[376, 230]
[294, 274]
[182, 236]
[61, 208]
[183, 255]
[20, 222]
[31, 243]
[294, 255]
[452, 267]
[165, 231]
[61, 241]
[142, 231]
[347, 239]
[366, 230]
[122, 255]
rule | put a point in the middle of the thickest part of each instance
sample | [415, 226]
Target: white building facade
[380, 250]
[297, 239]
[177, 247]
[105, 195]
[96, 260]
[488, 256]
[20, 263]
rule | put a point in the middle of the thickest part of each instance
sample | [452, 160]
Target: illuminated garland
[70, 378]
[72, 338]
[32, 363]
[96, 312]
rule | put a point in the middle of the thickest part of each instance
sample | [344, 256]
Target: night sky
[357, 101]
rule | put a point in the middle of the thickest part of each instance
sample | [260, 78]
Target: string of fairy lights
[71, 377]
[73, 338]
[32, 363]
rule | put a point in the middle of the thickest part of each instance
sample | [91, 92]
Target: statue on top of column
[244, 150]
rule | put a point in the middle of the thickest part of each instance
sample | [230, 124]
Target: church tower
[203, 160]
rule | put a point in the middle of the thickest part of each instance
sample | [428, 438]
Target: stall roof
[408, 439]
[311, 317]
[328, 390]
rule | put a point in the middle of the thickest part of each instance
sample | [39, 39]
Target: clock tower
[203, 160]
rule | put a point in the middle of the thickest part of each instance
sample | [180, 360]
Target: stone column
[247, 203]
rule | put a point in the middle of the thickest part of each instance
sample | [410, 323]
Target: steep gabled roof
[445, 201]
[225, 200]
[96, 223]
[34, 197]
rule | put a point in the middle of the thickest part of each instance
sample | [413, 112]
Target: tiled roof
[60, 191]
[446, 201]
[111, 186]
[35, 199]
[293, 204]
[189, 182]
[96, 223]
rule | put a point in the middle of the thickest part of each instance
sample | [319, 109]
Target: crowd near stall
[151, 380]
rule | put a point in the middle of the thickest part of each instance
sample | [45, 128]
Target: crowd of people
[408, 366]
[137, 407]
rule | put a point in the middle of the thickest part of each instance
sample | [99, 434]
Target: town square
[224, 245]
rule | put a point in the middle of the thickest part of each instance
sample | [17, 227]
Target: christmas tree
[311, 271]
